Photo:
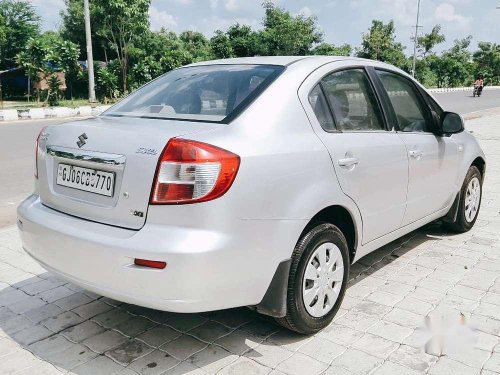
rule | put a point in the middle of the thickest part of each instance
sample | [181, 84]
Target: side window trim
[392, 123]
[379, 102]
[420, 97]
[330, 109]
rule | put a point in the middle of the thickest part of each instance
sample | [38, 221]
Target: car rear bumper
[206, 269]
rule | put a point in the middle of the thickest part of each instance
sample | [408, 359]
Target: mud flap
[274, 301]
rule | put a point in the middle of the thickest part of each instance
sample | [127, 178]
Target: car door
[370, 162]
[433, 159]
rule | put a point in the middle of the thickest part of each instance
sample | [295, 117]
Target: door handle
[348, 162]
[417, 154]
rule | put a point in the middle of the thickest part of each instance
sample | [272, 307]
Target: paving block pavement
[428, 303]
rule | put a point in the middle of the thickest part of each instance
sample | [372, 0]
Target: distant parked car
[248, 182]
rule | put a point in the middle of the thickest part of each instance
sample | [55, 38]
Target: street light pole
[90, 58]
[416, 40]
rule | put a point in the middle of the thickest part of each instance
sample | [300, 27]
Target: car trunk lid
[123, 151]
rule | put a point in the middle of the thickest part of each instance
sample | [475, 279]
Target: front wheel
[470, 201]
[318, 279]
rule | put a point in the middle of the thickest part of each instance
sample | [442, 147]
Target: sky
[342, 21]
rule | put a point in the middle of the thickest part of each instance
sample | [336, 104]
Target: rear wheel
[318, 279]
[470, 202]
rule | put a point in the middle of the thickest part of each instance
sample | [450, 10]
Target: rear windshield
[210, 93]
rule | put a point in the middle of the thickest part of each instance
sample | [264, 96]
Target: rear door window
[198, 93]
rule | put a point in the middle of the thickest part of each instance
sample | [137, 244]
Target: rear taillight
[191, 172]
[36, 151]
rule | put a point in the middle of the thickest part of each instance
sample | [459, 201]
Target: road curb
[50, 112]
[454, 89]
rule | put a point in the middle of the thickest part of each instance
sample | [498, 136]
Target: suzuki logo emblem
[81, 140]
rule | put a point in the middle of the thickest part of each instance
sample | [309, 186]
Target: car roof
[272, 60]
[313, 62]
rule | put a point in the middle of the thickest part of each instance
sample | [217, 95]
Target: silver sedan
[248, 182]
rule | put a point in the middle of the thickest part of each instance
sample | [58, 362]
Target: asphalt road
[17, 152]
[463, 102]
[17, 142]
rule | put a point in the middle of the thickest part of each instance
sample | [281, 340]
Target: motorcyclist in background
[478, 87]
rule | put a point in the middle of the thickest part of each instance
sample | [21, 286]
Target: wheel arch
[480, 164]
[343, 219]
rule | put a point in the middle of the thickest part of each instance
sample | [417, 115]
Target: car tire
[324, 244]
[470, 194]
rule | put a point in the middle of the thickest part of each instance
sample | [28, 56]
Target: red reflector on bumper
[150, 263]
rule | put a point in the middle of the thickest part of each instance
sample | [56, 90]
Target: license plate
[86, 179]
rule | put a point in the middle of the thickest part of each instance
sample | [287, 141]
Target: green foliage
[18, 24]
[487, 63]
[453, 68]
[245, 42]
[107, 82]
[158, 52]
[134, 55]
[427, 42]
[285, 34]
[379, 43]
[47, 54]
[54, 92]
[328, 49]
[221, 46]
[196, 44]
[121, 22]
[73, 28]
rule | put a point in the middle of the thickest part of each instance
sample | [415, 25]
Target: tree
[155, 53]
[107, 82]
[379, 43]
[196, 44]
[244, 41]
[47, 54]
[122, 22]
[73, 29]
[427, 42]
[487, 62]
[332, 50]
[285, 34]
[220, 45]
[18, 24]
[453, 68]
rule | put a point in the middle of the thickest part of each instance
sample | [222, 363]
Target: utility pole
[416, 40]
[90, 58]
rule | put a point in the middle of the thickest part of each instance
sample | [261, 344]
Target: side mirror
[451, 123]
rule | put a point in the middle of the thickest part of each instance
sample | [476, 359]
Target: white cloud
[49, 10]
[232, 5]
[403, 11]
[306, 11]
[446, 12]
[209, 25]
[160, 18]
[184, 2]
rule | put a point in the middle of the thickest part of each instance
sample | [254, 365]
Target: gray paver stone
[105, 341]
[153, 363]
[299, 364]
[129, 351]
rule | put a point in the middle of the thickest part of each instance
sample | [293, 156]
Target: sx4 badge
[137, 213]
